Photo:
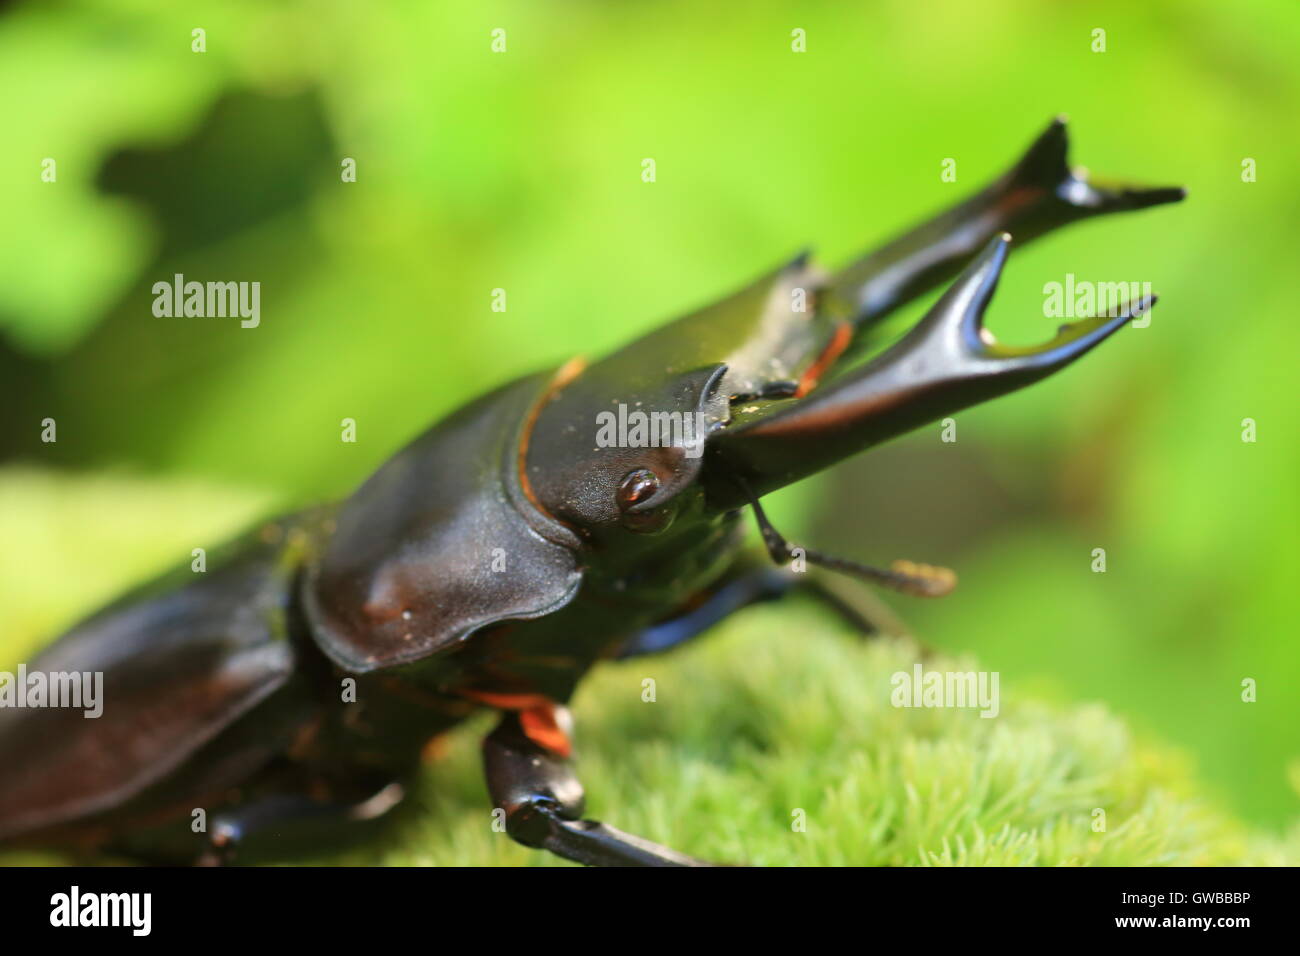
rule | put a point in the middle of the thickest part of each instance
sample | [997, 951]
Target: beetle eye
[636, 487]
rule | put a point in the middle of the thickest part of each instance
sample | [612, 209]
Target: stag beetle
[500, 555]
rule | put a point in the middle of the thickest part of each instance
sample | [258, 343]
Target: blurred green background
[522, 171]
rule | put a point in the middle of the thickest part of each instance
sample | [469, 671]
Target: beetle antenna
[906, 577]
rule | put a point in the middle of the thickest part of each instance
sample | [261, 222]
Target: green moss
[778, 712]
[782, 711]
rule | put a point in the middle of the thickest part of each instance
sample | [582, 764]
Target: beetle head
[619, 446]
[615, 450]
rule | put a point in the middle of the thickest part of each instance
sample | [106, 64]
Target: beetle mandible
[223, 693]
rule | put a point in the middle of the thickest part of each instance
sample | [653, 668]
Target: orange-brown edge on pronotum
[538, 717]
[566, 374]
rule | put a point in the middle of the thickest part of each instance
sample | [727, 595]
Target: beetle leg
[231, 828]
[860, 609]
[543, 801]
[739, 591]
[1040, 193]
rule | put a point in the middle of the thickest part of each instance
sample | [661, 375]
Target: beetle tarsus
[542, 800]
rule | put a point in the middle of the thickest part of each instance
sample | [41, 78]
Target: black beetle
[505, 551]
